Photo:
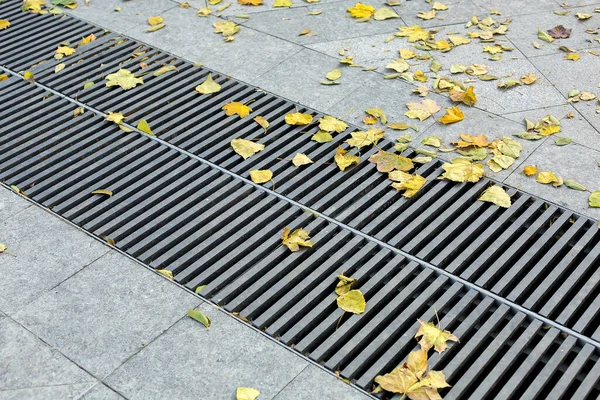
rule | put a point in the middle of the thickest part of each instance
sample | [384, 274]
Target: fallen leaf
[530, 170]
[155, 20]
[547, 177]
[204, 12]
[88, 85]
[594, 199]
[301, 159]
[262, 122]
[64, 50]
[583, 16]
[250, 2]
[439, 6]
[529, 79]
[407, 182]
[387, 161]
[433, 141]
[572, 57]
[385, 13]
[353, 302]
[164, 70]
[422, 110]
[123, 78]
[322, 137]
[495, 194]
[544, 36]
[458, 40]
[398, 65]
[243, 393]
[246, 148]
[563, 141]
[452, 115]
[261, 175]
[468, 96]
[344, 284]
[2, 247]
[377, 113]
[293, 241]
[226, 28]
[399, 126]
[406, 54]
[427, 15]
[509, 147]
[344, 160]
[115, 117]
[361, 11]
[463, 170]
[509, 83]
[571, 184]
[559, 32]
[166, 272]
[208, 86]
[298, 118]
[282, 3]
[155, 28]
[331, 124]
[4, 24]
[499, 162]
[361, 139]
[144, 127]
[103, 191]
[59, 67]
[432, 336]
[238, 108]
[199, 316]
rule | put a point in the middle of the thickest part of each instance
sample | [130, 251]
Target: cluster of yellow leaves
[155, 23]
[33, 6]
[62, 51]
[293, 240]
[411, 184]
[227, 29]
[411, 378]
[349, 300]
[463, 170]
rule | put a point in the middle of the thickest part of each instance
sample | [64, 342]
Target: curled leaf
[199, 316]
[103, 191]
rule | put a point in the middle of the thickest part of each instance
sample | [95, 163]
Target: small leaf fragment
[261, 175]
[262, 121]
[166, 272]
[298, 118]
[530, 170]
[164, 70]
[103, 192]
[144, 126]
[244, 393]
[562, 141]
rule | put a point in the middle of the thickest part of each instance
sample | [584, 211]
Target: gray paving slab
[102, 392]
[510, 8]
[570, 162]
[239, 9]
[389, 95]
[298, 79]
[576, 128]
[11, 204]
[567, 75]
[107, 312]
[190, 361]
[132, 12]
[250, 55]
[30, 369]
[522, 31]
[459, 11]
[44, 251]
[334, 23]
[313, 383]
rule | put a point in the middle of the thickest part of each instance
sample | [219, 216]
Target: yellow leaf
[369, 120]
[298, 118]
[103, 191]
[385, 13]
[406, 54]
[123, 78]
[331, 124]
[208, 86]
[387, 161]
[204, 12]
[432, 336]
[244, 393]
[65, 50]
[236, 108]
[226, 28]
[365, 138]
[528, 79]
[78, 111]
[165, 272]
[246, 148]
[495, 194]
[463, 170]
[453, 115]
[422, 110]
[468, 96]
[34, 6]
[155, 20]
[361, 11]
[250, 2]
[155, 28]
[439, 6]
[301, 159]
[426, 15]
[59, 67]
[405, 181]
[261, 175]
[262, 122]
[334, 74]
[322, 137]
[399, 126]
[88, 85]
[414, 33]
[377, 113]
[164, 70]
[442, 45]
[353, 302]
[293, 241]
[344, 160]
[144, 126]
[398, 65]
[458, 40]
[572, 57]
[547, 177]
[594, 199]
[3, 77]
[115, 117]
[89, 38]
[4, 23]
[199, 316]
[344, 284]
[530, 170]
[282, 3]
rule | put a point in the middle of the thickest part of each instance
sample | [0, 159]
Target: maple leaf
[432, 336]
[426, 15]
[331, 124]
[469, 140]
[301, 159]
[261, 175]
[495, 194]
[226, 28]
[64, 50]
[361, 11]
[236, 108]
[468, 96]
[4, 24]
[353, 302]
[123, 78]
[422, 110]
[117, 118]
[88, 39]
[344, 284]
[414, 33]
[298, 118]
[463, 170]
[208, 86]
[246, 148]
[453, 114]
[411, 184]
[528, 79]
[344, 160]
[361, 139]
[387, 161]
[295, 239]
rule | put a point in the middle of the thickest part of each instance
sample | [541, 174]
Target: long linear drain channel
[518, 286]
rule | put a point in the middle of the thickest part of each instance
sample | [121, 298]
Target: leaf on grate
[387, 161]
[352, 301]
[261, 175]
[144, 126]
[293, 240]
[434, 337]
[495, 194]
[344, 160]
[103, 191]
[344, 284]
[208, 86]
[301, 159]
[165, 272]
[463, 170]
[123, 78]
[238, 108]
[298, 118]
[115, 117]
[246, 148]
[262, 121]
[411, 184]
[361, 139]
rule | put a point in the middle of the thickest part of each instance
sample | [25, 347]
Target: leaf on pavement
[594, 199]
[453, 114]
[463, 170]
[530, 170]
[422, 110]
[199, 316]
[244, 393]
[361, 11]
[385, 13]
[547, 177]
[468, 96]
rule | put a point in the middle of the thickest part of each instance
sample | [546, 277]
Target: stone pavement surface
[79, 320]
[269, 52]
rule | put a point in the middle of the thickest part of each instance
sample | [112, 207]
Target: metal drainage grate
[174, 210]
[538, 255]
